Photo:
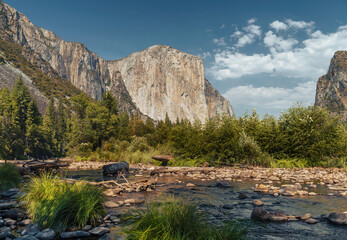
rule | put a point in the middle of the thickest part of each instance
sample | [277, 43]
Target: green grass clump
[58, 205]
[9, 177]
[173, 220]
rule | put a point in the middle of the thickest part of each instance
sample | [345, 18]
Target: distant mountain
[331, 92]
[157, 81]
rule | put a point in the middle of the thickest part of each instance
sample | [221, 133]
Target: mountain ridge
[148, 81]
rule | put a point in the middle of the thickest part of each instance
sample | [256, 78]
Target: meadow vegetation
[174, 219]
[96, 130]
[9, 177]
[55, 204]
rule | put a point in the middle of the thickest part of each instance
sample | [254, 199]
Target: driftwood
[164, 159]
[37, 167]
[181, 170]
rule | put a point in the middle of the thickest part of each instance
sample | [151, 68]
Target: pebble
[306, 216]
[311, 221]
[257, 203]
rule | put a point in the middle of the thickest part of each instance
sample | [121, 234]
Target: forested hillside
[89, 130]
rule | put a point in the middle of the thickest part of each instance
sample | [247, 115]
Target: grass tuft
[9, 177]
[172, 219]
[55, 204]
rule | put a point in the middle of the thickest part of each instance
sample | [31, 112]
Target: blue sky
[259, 54]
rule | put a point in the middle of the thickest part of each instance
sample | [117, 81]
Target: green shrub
[55, 204]
[9, 177]
[173, 219]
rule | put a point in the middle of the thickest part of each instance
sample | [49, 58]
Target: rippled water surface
[211, 199]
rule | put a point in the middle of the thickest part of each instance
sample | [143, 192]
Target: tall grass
[9, 177]
[172, 219]
[55, 204]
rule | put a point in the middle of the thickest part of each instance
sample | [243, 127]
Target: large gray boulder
[338, 218]
[115, 168]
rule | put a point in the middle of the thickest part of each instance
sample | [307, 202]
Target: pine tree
[35, 142]
[50, 127]
[20, 99]
[110, 103]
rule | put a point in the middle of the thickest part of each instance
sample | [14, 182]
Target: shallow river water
[211, 199]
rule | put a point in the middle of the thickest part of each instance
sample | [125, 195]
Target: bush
[9, 177]
[55, 204]
[173, 219]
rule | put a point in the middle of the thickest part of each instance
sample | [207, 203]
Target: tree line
[97, 130]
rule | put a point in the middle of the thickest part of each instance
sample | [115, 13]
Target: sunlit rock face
[157, 81]
[331, 92]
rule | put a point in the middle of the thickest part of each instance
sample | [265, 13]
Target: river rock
[75, 234]
[10, 192]
[47, 234]
[31, 229]
[242, 195]
[278, 216]
[190, 185]
[227, 206]
[257, 203]
[7, 205]
[306, 216]
[14, 213]
[27, 237]
[9, 222]
[259, 213]
[99, 231]
[111, 204]
[261, 188]
[115, 168]
[311, 221]
[6, 234]
[338, 218]
[134, 201]
[23, 223]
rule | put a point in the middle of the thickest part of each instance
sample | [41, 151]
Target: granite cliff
[331, 92]
[157, 81]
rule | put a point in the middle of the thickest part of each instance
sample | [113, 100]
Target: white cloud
[277, 25]
[278, 44]
[249, 34]
[205, 55]
[299, 24]
[287, 57]
[219, 41]
[222, 27]
[271, 99]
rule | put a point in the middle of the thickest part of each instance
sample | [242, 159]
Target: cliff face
[154, 82]
[331, 92]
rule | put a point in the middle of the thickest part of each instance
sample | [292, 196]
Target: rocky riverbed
[290, 203]
[306, 203]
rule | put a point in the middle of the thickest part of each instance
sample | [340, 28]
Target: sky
[264, 55]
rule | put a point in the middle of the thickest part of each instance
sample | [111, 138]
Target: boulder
[338, 218]
[32, 229]
[278, 216]
[47, 234]
[6, 234]
[99, 231]
[259, 213]
[115, 168]
[14, 213]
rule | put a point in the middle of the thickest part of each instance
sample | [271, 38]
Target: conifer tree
[50, 127]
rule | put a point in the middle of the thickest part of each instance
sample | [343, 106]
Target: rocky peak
[157, 81]
[331, 92]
